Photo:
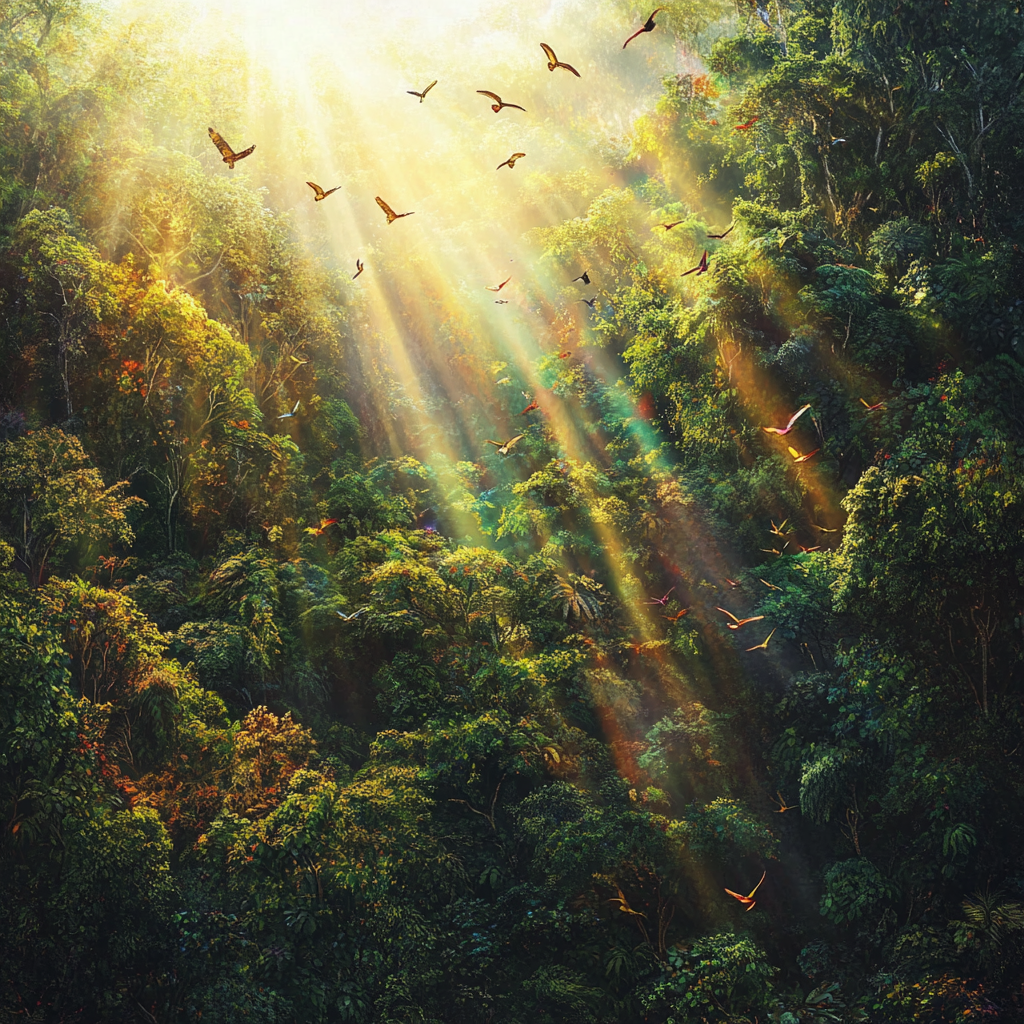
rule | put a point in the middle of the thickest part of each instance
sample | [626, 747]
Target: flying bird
[724, 233]
[422, 95]
[320, 193]
[318, 531]
[504, 449]
[359, 269]
[748, 901]
[737, 623]
[349, 618]
[389, 213]
[748, 124]
[872, 408]
[735, 584]
[504, 380]
[668, 227]
[530, 408]
[501, 302]
[590, 302]
[565, 354]
[229, 155]
[783, 806]
[762, 13]
[780, 530]
[584, 277]
[648, 26]
[763, 645]
[510, 162]
[770, 586]
[554, 62]
[497, 288]
[701, 267]
[797, 457]
[807, 551]
[822, 529]
[296, 359]
[289, 415]
[836, 142]
[782, 431]
[678, 615]
[660, 600]
[499, 102]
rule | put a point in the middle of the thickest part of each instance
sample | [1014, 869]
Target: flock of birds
[504, 448]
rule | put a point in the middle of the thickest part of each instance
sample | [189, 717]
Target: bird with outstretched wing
[320, 193]
[499, 103]
[389, 213]
[289, 415]
[701, 267]
[798, 458]
[748, 901]
[737, 623]
[668, 227]
[507, 446]
[422, 95]
[554, 62]
[510, 162]
[229, 155]
[648, 26]
[584, 277]
[724, 233]
[498, 287]
[359, 269]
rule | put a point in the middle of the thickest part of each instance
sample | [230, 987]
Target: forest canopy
[512, 516]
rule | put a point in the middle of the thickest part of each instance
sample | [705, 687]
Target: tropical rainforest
[584, 585]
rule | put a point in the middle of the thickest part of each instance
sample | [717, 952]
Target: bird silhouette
[320, 193]
[590, 302]
[724, 233]
[349, 618]
[422, 95]
[510, 162]
[648, 26]
[770, 586]
[737, 623]
[782, 431]
[678, 615]
[504, 449]
[748, 901]
[389, 213]
[783, 806]
[668, 227]
[359, 269]
[822, 529]
[872, 408]
[229, 155]
[554, 62]
[748, 124]
[499, 103]
[660, 600]
[530, 408]
[318, 531]
[780, 530]
[763, 645]
[808, 551]
[289, 415]
[797, 457]
[497, 288]
[501, 302]
[701, 267]
[584, 277]
[837, 142]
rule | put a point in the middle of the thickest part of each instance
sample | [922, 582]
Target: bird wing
[218, 140]
[568, 67]
[316, 188]
[504, 163]
[726, 612]
[296, 409]
[743, 622]
[796, 416]
[515, 105]
[550, 53]
[737, 896]
[687, 273]
[497, 444]
[512, 441]
[494, 96]
[516, 156]
[329, 191]
[639, 31]
[244, 153]
[428, 88]
[758, 886]
[387, 209]
[793, 452]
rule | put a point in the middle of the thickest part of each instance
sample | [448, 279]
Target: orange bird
[748, 901]
[320, 193]
[797, 457]
[783, 806]
[872, 408]
[678, 615]
[733, 583]
[781, 431]
[533, 405]
[701, 267]
[648, 26]
[389, 213]
[229, 155]
[554, 62]
[499, 102]
[497, 288]
[317, 531]
[668, 227]
[763, 645]
[510, 162]
[807, 551]
[736, 623]
[749, 124]
[565, 355]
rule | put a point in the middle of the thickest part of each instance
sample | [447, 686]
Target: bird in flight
[504, 449]
[501, 302]
[724, 233]
[389, 213]
[530, 408]
[782, 431]
[807, 551]
[748, 901]
[678, 615]
[763, 645]
[780, 530]
[554, 62]
[668, 227]
[822, 529]
[736, 623]
[584, 277]
[735, 584]
[838, 142]
[289, 415]
[318, 531]
[770, 586]
[701, 267]
[296, 359]
[660, 600]
[359, 269]
[748, 124]
[422, 95]
[504, 380]
[497, 288]
[229, 155]
[648, 26]
[349, 618]
[783, 806]
[872, 408]
[590, 302]
[499, 102]
[797, 457]
[320, 193]
[510, 162]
